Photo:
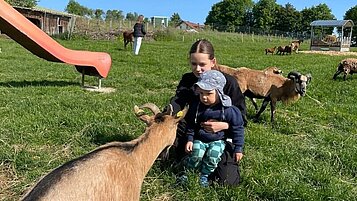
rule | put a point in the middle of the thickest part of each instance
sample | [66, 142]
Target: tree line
[228, 15]
[267, 15]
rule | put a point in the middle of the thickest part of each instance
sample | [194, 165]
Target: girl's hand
[188, 147]
[238, 156]
[214, 126]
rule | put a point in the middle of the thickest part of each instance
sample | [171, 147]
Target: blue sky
[191, 10]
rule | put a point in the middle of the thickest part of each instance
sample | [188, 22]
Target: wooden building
[50, 21]
[189, 26]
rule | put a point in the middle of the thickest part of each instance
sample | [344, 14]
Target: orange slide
[24, 32]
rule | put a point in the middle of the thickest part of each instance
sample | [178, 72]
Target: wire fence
[109, 30]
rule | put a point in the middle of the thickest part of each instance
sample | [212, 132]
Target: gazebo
[322, 40]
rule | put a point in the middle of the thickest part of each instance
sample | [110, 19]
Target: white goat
[114, 171]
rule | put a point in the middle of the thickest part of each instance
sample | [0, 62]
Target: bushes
[167, 35]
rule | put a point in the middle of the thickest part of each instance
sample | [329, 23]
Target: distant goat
[295, 44]
[347, 66]
[270, 50]
[243, 73]
[284, 49]
[114, 171]
[330, 39]
[128, 38]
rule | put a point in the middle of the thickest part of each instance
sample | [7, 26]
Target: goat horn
[152, 107]
[138, 111]
[294, 74]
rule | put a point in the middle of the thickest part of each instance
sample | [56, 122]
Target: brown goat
[270, 50]
[270, 86]
[114, 171]
[347, 66]
[284, 49]
[242, 72]
[128, 38]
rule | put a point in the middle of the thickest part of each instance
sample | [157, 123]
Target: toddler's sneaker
[204, 180]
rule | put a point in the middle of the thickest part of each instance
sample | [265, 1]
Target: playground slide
[24, 32]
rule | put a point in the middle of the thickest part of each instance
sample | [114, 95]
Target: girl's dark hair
[203, 46]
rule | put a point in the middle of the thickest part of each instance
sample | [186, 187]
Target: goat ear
[181, 114]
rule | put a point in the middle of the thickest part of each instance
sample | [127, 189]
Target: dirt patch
[101, 90]
[8, 179]
[331, 53]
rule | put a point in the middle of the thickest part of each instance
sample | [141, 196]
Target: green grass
[47, 119]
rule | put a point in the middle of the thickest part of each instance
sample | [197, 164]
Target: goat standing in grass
[277, 88]
[242, 73]
[114, 171]
[284, 49]
[128, 38]
[269, 85]
[295, 44]
[270, 50]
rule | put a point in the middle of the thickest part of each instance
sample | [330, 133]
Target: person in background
[204, 147]
[139, 33]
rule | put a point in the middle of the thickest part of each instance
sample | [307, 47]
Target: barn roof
[46, 10]
[332, 23]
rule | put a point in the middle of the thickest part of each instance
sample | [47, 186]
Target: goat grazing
[114, 171]
[270, 50]
[347, 66]
[284, 49]
[242, 74]
[330, 39]
[128, 38]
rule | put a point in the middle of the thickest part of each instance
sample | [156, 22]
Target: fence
[109, 30]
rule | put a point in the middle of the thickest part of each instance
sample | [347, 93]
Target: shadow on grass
[123, 49]
[100, 135]
[102, 138]
[38, 83]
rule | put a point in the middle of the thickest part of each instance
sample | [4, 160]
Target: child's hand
[214, 126]
[188, 147]
[238, 156]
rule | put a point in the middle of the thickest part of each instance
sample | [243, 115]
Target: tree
[131, 16]
[98, 13]
[77, 9]
[114, 15]
[227, 14]
[23, 3]
[287, 18]
[351, 14]
[175, 19]
[319, 12]
[264, 14]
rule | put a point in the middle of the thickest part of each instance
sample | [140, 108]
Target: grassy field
[47, 119]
